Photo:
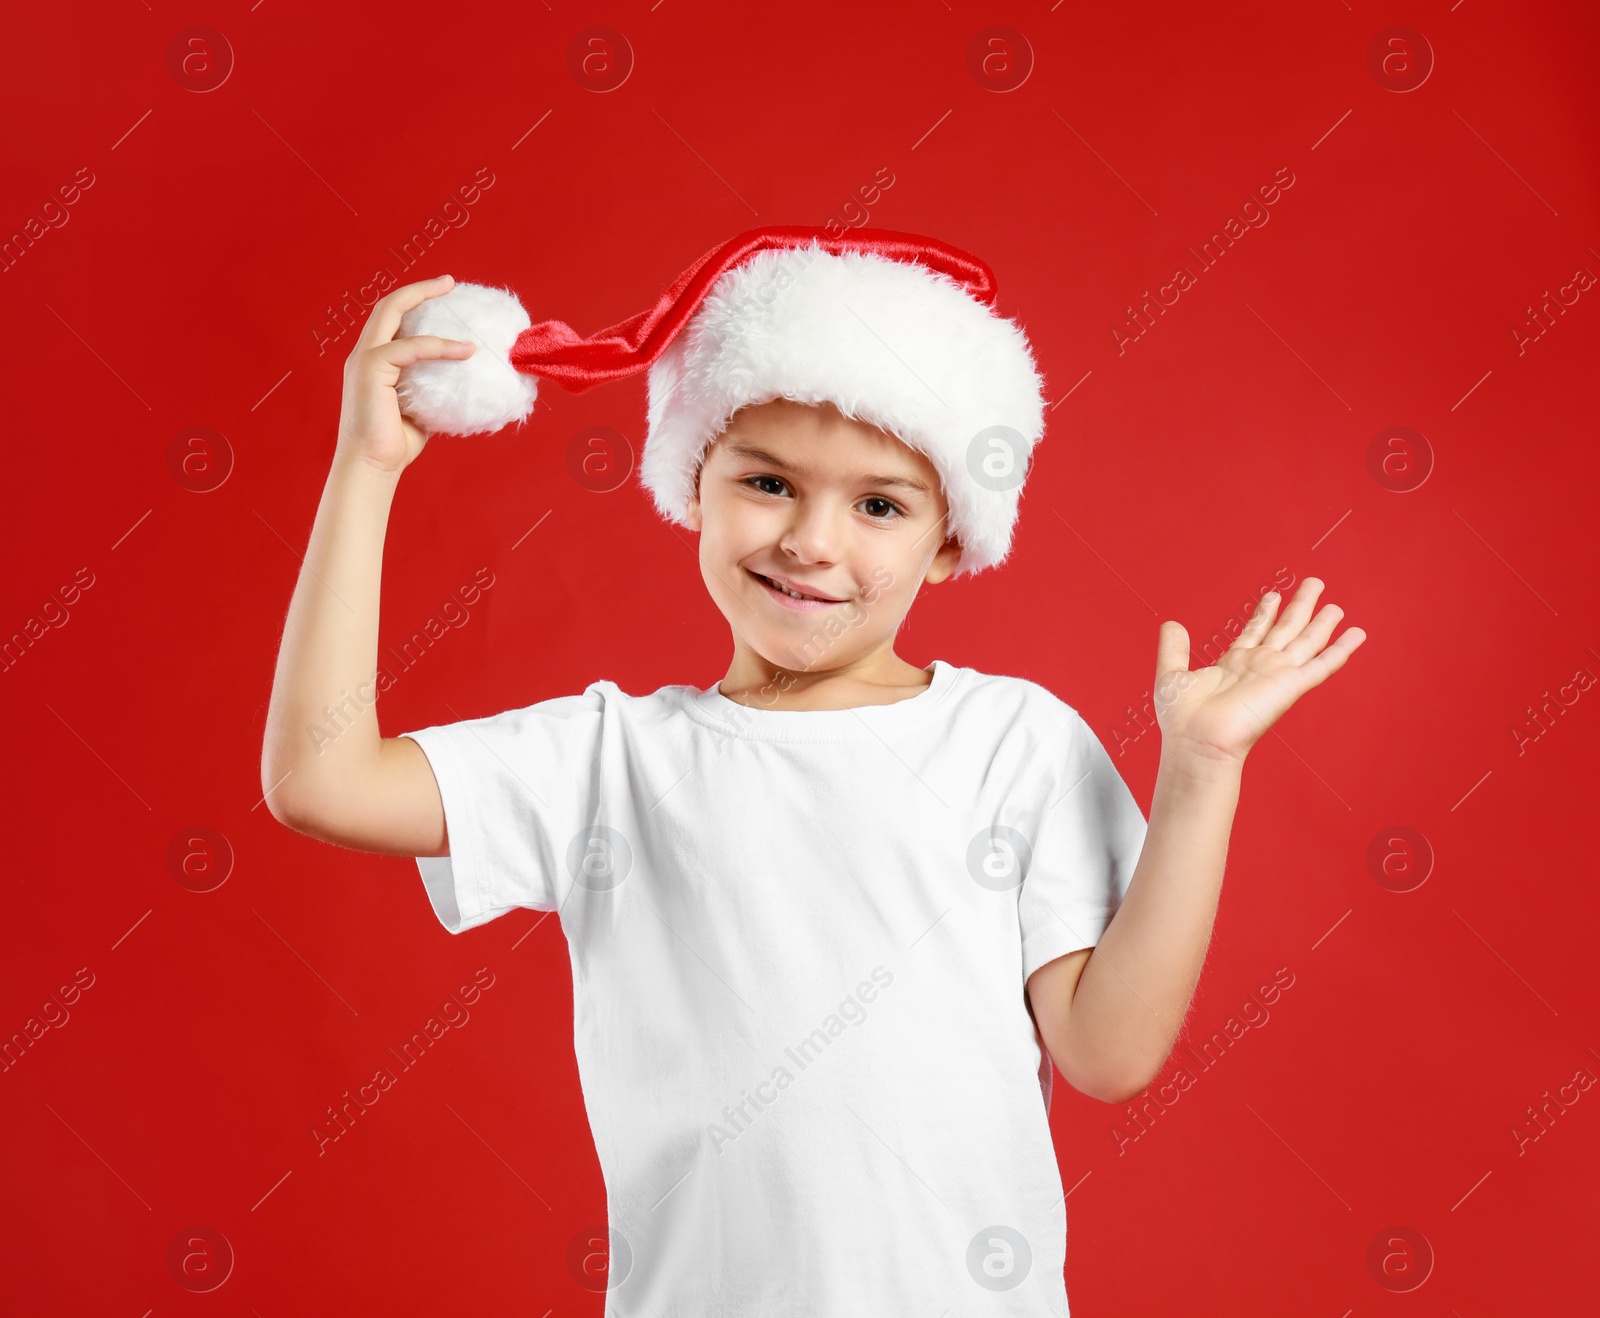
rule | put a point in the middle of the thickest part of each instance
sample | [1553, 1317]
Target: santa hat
[895, 330]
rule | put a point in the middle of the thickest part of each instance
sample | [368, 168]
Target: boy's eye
[890, 508]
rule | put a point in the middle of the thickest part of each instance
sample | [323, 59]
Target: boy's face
[835, 508]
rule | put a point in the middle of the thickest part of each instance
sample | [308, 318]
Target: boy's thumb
[1172, 649]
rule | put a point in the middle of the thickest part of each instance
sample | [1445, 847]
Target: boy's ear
[691, 514]
[944, 562]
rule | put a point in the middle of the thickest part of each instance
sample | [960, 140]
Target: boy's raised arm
[356, 788]
[1110, 1015]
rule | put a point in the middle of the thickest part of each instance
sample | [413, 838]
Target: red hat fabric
[553, 350]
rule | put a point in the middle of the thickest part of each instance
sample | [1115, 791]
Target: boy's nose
[813, 533]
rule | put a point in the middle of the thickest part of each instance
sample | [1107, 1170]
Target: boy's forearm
[1137, 985]
[322, 717]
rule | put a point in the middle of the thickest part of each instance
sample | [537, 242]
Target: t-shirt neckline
[730, 717]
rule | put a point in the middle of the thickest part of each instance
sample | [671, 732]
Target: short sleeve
[1085, 848]
[517, 787]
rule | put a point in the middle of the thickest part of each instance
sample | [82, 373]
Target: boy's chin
[798, 653]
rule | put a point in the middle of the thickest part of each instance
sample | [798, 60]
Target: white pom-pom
[476, 394]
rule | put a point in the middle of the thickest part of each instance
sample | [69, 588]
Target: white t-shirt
[799, 943]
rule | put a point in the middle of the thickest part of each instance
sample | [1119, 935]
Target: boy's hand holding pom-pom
[373, 432]
[478, 394]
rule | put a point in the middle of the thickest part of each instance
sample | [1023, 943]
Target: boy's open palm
[1220, 712]
[371, 427]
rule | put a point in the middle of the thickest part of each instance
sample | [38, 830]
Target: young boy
[822, 913]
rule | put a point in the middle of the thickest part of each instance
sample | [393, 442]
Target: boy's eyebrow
[754, 454]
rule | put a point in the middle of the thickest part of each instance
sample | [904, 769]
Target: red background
[186, 286]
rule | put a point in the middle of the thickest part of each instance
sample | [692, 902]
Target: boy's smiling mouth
[794, 596]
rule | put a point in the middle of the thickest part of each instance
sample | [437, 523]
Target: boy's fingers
[1260, 620]
[1316, 634]
[384, 322]
[1318, 670]
[1294, 617]
[421, 347]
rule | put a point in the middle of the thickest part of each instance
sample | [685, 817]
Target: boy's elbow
[286, 802]
[296, 791]
[277, 785]
[1113, 1085]
[286, 811]
[1124, 1092]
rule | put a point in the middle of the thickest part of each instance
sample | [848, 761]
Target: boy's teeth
[780, 586]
